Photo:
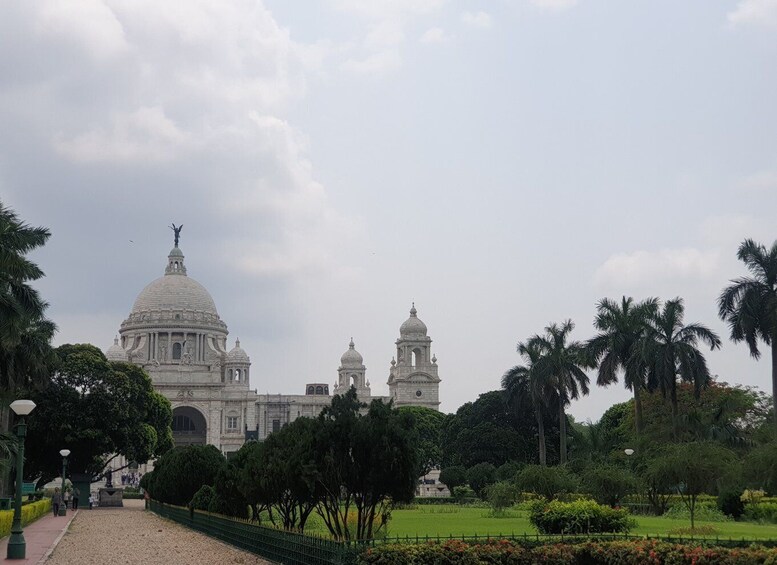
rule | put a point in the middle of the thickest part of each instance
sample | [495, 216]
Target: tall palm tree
[563, 363]
[749, 305]
[670, 350]
[524, 382]
[615, 347]
[23, 328]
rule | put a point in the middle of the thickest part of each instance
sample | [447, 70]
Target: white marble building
[175, 333]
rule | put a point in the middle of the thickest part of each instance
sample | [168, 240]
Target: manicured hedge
[30, 513]
[639, 552]
[579, 517]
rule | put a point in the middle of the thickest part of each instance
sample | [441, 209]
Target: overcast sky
[504, 164]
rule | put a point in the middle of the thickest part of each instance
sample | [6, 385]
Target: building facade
[175, 333]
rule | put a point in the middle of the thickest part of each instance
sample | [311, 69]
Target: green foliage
[30, 513]
[548, 482]
[453, 476]
[481, 476]
[637, 552]
[760, 468]
[489, 430]
[501, 496]
[608, 484]
[764, 512]
[464, 492]
[579, 517]
[704, 511]
[95, 407]
[182, 471]
[694, 468]
[229, 499]
[202, 498]
[427, 424]
[730, 502]
[508, 471]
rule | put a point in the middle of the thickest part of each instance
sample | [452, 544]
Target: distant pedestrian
[56, 500]
[66, 498]
[76, 494]
[91, 501]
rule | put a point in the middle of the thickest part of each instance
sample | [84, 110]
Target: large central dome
[174, 292]
[174, 300]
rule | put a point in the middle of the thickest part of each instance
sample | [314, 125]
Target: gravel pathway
[131, 535]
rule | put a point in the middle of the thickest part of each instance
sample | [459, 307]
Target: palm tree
[669, 349]
[749, 305]
[23, 328]
[615, 348]
[562, 364]
[524, 382]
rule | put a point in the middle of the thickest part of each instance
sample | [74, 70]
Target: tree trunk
[637, 409]
[541, 435]
[562, 433]
[774, 379]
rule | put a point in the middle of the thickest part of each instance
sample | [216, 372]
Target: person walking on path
[66, 498]
[56, 500]
[76, 494]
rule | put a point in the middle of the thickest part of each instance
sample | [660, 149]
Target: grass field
[450, 520]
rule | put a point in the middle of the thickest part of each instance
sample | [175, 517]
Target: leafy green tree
[289, 473]
[428, 426]
[95, 407]
[749, 305]
[563, 362]
[608, 484]
[508, 471]
[616, 347]
[453, 476]
[501, 496]
[694, 468]
[549, 482]
[490, 430]
[480, 476]
[760, 468]
[228, 499]
[528, 388]
[182, 471]
[363, 462]
[250, 462]
[669, 349]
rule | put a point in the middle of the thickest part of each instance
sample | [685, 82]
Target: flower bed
[639, 552]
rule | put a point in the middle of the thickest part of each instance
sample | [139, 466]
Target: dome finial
[351, 345]
[177, 231]
[116, 340]
[413, 311]
[237, 342]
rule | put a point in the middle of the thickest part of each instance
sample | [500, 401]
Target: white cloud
[382, 9]
[760, 181]
[377, 63]
[554, 5]
[761, 13]
[386, 33]
[638, 267]
[433, 35]
[477, 19]
[146, 134]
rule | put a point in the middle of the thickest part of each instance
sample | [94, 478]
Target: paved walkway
[41, 536]
[130, 535]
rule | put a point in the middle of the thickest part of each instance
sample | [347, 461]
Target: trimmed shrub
[453, 477]
[608, 484]
[464, 493]
[579, 517]
[202, 498]
[180, 473]
[764, 512]
[508, 471]
[730, 502]
[30, 513]
[501, 496]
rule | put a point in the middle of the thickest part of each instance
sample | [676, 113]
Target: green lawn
[445, 520]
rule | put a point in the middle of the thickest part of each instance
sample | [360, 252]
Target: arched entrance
[189, 426]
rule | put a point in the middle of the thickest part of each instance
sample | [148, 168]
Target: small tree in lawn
[501, 496]
[453, 477]
[760, 468]
[481, 476]
[694, 468]
[548, 482]
[608, 484]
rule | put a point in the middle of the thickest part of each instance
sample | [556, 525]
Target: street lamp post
[17, 547]
[62, 507]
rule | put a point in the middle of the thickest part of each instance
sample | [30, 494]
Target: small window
[232, 423]
[319, 390]
[276, 425]
[310, 390]
[177, 351]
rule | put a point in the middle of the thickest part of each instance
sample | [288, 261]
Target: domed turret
[351, 358]
[237, 354]
[412, 327]
[116, 352]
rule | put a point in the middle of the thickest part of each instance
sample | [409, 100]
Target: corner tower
[352, 372]
[413, 379]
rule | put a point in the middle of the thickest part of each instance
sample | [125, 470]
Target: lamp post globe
[17, 547]
[63, 507]
[628, 451]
